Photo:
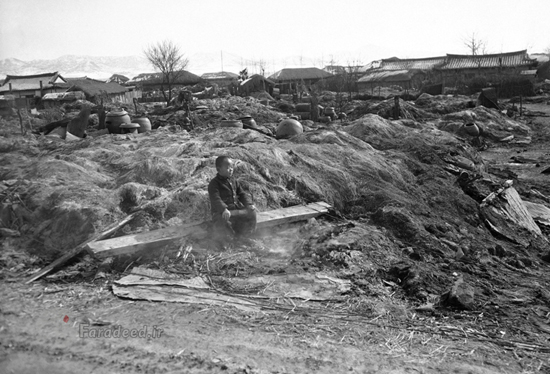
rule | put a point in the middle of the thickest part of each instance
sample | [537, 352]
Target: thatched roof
[220, 75]
[64, 96]
[292, 74]
[32, 82]
[426, 63]
[118, 78]
[386, 76]
[256, 78]
[185, 78]
[93, 87]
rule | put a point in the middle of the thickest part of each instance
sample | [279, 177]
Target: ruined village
[403, 210]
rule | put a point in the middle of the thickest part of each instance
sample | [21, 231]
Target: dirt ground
[391, 321]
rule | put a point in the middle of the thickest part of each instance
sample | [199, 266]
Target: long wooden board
[157, 238]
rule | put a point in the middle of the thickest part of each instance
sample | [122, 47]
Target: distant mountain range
[78, 66]
[131, 66]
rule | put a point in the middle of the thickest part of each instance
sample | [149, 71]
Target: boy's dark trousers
[241, 223]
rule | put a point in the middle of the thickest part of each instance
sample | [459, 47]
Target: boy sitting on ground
[233, 214]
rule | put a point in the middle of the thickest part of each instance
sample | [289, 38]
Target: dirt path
[198, 339]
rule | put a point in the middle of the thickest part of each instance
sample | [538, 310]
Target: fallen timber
[154, 239]
[77, 250]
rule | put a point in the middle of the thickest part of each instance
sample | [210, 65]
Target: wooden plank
[157, 238]
[539, 212]
[146, 240]
[75, 251]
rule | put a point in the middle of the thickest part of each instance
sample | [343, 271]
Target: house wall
[32, 93]
[453, 78]
[129, 96]
[370, 86]
[254, 86]
[286, 87]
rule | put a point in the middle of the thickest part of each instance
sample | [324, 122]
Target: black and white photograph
[256, 187]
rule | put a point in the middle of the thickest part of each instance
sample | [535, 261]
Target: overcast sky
[361, 30]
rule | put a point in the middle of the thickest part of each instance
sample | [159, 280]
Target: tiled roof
[290, 74]
[220, 75]
[510, 59]
[386, 76]
[31, 82]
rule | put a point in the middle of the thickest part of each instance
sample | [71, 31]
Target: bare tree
[350, 74]
[262, 64]
[476, 46]
[170, 62]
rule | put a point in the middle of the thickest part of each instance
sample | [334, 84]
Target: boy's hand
[252, 207]
[226, 214]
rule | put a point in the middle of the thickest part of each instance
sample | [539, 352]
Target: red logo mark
[66, 319]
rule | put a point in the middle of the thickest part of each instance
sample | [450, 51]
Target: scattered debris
[507, 216]
[461, 296]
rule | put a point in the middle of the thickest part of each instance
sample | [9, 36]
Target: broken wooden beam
[157, 238]
[539, 212]
[75, 251]
[506, 215]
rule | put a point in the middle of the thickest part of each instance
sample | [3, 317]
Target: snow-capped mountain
[78, 66]
[131, 66]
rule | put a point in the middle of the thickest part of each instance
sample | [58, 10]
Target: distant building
[289, 79]
[29, 86]
[153, 81]
[407, 73]
[96, 90]
[118, 78]
[256, 83]
[493, 67]
[222, 78]
[451, 70]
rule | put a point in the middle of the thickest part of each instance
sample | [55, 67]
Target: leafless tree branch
[167, 58]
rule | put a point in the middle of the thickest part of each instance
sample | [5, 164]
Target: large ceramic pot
[249, 122]
[114, 119]
[144, 124]
[129, 128]
[288, 128]
[472, 129]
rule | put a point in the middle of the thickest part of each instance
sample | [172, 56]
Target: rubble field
[434, 258]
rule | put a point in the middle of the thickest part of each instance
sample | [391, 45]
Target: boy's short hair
[220, 160]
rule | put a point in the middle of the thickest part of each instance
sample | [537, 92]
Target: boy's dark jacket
[226, 193]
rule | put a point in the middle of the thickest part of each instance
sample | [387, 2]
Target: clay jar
[288, 128]
[114, 119]
[472, 129]
[144, 124]
[129, 128]
[249, 122]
